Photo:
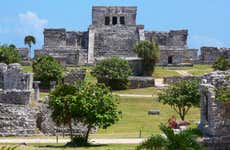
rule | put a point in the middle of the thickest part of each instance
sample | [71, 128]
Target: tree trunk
[71, 130]
[87, 133]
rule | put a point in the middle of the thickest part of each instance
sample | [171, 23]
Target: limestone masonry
[113, 32]
[215, 116]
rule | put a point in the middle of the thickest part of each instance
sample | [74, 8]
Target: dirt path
[183, 72]
[94, 141]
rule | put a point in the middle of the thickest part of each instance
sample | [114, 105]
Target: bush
[9, 54]
[221, 64]
[181, 96]
[93, 105]
[150, 53]
[184, 140]
[113, 72]
[47, 69]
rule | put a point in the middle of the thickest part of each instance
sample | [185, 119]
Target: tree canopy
[9, 54]
[113, 72]
[150, 52]
[46, 69]
[181, 96]
[93, 105]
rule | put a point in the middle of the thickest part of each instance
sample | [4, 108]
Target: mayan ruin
[114, 75]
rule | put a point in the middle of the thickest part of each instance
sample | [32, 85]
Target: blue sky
[208, 21]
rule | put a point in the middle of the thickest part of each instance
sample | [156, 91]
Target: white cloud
[200, 40]
[31, 19]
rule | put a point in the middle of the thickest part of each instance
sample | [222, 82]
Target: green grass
[200, 70]
[196, 70]
[161, 72]
[61, 147]
[141, 91]
[135, 117]
[27, 68]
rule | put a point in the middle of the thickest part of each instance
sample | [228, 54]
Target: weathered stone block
[140, 82]
[17, 120]
[74, 75]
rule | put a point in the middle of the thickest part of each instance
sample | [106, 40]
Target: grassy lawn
[196, 70]
[61, 147]
[27, 68]
[200, 70]
[161, 72]
[135, 118]
[141, 91]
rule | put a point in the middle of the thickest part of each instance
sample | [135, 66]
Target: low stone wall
[173, 79]
[140, 82]
[48, 127]
[15, 97]
[74, 75]
[17, 120]
[217, 143]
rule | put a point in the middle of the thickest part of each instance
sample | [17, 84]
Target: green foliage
[13, 147]
[113, 72]
[93, 105]
[155, 142]
[46, 69]
[181, 96]
[29, 40]
[185, 140]
[9, 54]
[223, 93]
[221, 64]
[150, 53]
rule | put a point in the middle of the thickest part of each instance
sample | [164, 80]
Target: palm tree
[29, 40]
[185, 140]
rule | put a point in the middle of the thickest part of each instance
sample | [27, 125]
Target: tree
[9, 54]
[60, 104]
[184, 140]
[29, 40]
[181, 96]
[46, 69]
[221, 64]
[149, 51]
[113, 72]
[93, 105]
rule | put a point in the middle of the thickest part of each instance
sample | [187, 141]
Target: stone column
[36, 90]
[91, 46]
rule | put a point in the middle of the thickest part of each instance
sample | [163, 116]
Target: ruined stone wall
[178, 57]
[210, 54]
[16, 117]
[215, 115]
[100, 12]
[174, 39]
[115, 41]
[16, 86]
[24, 53]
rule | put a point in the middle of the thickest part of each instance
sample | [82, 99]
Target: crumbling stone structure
[16, 117]
[210, 54]
[215, 115]
[113, 32]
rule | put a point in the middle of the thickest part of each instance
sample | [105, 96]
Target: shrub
[150, 53]
[93, 105]
[185, 140]
[113, 72]
[9, 54]
[223, 93]
[181, 96]
[47, 69]
[221, 64]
